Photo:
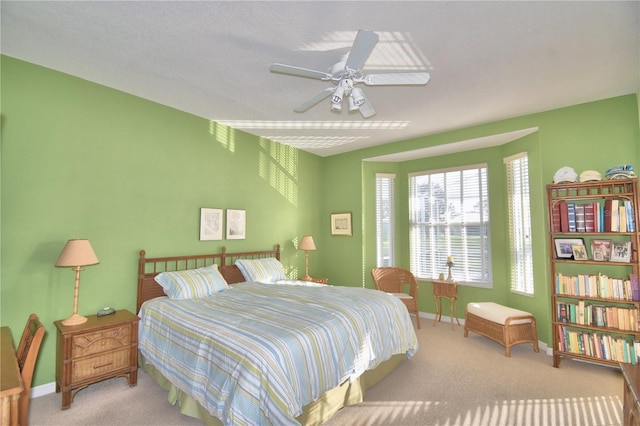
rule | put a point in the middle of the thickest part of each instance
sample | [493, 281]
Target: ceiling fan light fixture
[336, 99]
[357, 96]
[353, 106]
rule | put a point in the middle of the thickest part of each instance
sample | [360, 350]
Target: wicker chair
[393, 280]
[27, 355]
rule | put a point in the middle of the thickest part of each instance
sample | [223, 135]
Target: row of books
[582, 313]
[600, 285]
[610, 215]
[598, 345]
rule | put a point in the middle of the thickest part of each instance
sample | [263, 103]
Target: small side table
[445, 290]
[101, 348]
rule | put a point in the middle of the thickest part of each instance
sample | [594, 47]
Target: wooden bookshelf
[600, 291]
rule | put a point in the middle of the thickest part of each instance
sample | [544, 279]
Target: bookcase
[593, 246]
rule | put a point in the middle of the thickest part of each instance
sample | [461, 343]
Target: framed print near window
[341, 224]
[600, 249]
[236, 224]
[564, 249]
[210, 224]
[579, 252]
[620, 251]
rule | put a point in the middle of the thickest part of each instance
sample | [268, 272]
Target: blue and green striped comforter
[256, 353]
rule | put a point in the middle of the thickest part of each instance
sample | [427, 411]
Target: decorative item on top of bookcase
[595, 300]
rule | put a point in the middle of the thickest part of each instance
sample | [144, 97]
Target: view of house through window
[449, 216]
[521, 247]
[385, 220]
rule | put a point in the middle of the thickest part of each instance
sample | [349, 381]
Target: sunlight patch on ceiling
[315, 142]
[395, 50]
[315, 125]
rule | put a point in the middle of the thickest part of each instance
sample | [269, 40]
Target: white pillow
[267, 270]
[192, 283]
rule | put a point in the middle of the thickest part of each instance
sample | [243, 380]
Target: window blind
[385, 219]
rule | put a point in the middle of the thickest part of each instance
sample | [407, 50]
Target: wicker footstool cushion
[504, 325]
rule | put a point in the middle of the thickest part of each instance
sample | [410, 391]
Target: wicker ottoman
[504, 325]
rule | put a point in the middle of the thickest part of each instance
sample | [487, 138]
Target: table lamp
[307, 244]
[76, 253]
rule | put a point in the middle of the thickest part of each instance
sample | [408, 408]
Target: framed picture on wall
[341, 224]
[210, 224]
[236, 224]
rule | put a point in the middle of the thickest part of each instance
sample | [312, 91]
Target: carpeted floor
[451, 381]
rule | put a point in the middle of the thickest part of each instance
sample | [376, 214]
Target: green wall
[83, 161]
[595, 135]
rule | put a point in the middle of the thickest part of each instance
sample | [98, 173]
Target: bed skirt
[314, 413]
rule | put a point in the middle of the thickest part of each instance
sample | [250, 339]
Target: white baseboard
[43, 390]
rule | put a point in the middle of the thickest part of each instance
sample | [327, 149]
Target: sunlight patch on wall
[302, 142]
[278, 165]
[394, 51]
[223, 134]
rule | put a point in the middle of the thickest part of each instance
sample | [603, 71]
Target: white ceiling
[488, 60]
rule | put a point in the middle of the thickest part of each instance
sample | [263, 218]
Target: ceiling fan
[347, 73]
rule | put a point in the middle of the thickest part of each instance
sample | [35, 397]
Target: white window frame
[520, 237]
[385, 219]
[455, 222]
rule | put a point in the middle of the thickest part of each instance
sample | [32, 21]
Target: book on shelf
[555, 218]
[571, 216]
[590, 217]
[580, 218]
[608, 205]
[564, 217]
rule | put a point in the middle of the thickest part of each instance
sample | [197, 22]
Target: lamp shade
[77, 253]
[307, 243]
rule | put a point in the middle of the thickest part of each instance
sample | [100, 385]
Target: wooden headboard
[148, 268]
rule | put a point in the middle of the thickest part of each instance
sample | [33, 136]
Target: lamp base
[74, 319]
[305, 278]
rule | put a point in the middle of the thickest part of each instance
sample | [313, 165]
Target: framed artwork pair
[211, 224]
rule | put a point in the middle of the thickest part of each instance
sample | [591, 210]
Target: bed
[268, 350]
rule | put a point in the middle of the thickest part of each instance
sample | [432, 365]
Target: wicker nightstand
[102, 348]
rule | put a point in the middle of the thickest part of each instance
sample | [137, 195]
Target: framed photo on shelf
[236, 224]
[600, 249]
[210, 224]
[564, 246]
[341, 224]
[579, 252]
[620, 251]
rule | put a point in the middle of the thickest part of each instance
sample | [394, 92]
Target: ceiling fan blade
[300, 72]
[366, 109]
[362, 47]
[315, 100]
[400, 78]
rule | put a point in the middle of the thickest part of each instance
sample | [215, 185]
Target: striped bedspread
[255, 354]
